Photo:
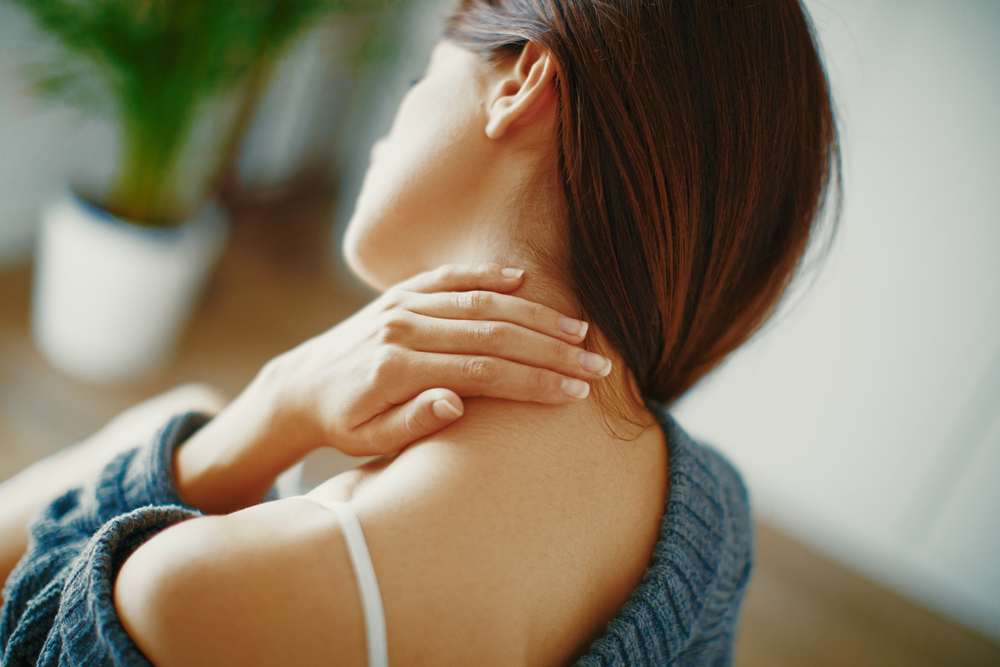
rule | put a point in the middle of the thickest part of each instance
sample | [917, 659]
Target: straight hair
[697, 144]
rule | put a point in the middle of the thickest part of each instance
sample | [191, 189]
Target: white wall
[41, 147]
[867, 419]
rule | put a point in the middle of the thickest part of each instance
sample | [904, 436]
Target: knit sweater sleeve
[59, 605]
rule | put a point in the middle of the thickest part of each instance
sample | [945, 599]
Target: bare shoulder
[269, 585]
[512, 537]
[497, 541]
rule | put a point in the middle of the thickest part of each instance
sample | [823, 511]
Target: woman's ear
[524, 91]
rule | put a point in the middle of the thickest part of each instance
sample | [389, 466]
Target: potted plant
[118, 272]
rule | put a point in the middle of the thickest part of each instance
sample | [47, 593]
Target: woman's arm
[377, 382]
[272, 583]
[391, 374]
[269, 585]
[370, 386]
[37, 486]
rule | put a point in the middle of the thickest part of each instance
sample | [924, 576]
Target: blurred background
[865, 418]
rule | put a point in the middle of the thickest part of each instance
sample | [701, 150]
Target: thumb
[422, 415]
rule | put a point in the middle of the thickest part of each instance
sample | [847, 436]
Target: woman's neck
[519, 222]
[614, 400]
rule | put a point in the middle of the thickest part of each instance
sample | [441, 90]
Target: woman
[656, 170]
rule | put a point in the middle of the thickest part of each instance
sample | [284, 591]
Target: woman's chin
[362, 269]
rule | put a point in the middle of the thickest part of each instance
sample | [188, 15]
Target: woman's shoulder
[271, 584]
[528, 520]
[506, 541]
[492, 544]
[689, 601]
[567, 536]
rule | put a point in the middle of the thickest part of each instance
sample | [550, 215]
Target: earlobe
[523, 93]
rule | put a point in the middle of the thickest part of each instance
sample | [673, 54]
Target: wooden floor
[803, 609]
[275, 288]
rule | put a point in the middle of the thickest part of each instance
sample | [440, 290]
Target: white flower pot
[111, 299]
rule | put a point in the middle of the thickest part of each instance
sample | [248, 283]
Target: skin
[505, 529]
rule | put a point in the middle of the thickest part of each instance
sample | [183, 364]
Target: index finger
[465, 278]
[482, 305]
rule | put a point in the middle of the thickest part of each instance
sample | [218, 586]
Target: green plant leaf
[154, 66]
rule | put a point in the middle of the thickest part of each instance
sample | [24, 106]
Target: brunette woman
[656, 169]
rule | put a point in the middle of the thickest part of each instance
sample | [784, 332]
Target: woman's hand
[396, 371]
[386, 377]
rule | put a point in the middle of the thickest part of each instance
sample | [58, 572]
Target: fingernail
[575, 388]
[445, 410]
[573, 327]
[595, 363]
[513, 274]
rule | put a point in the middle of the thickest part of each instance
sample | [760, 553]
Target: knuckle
[392, 298]
[538, 313]
[480, 370]
[474, 303]
[541, 382]
[483, 335]
[565, 354]
[411, 423]
[367, 443]
[395, 327]
[383, 332]
[466, 302]
[503, 335]
[386, 362]
[383, 336]
[490, 336]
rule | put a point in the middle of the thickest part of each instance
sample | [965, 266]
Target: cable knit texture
[686, 610]
[59, 605]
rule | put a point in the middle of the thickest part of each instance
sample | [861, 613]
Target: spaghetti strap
[364, 572]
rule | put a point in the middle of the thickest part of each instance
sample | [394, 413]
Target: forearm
[31, 490]
[37, 486]
[227, 465]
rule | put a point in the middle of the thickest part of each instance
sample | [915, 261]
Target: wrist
[233, 461]
[278, 393]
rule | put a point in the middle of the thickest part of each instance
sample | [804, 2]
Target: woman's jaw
[467, 173]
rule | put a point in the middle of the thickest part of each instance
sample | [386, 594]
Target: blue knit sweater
[59, 608]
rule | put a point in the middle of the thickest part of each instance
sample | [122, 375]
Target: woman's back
[513, 536]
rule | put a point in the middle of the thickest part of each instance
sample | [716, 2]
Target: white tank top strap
[364, 572]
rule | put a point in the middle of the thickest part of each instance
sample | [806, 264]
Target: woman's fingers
[506, 341]
[483, 305]
[427, 413]
[465, 277]
[481, 375]
[445, 334]
[478, 292]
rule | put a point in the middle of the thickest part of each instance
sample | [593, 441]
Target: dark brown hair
[696, 146]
